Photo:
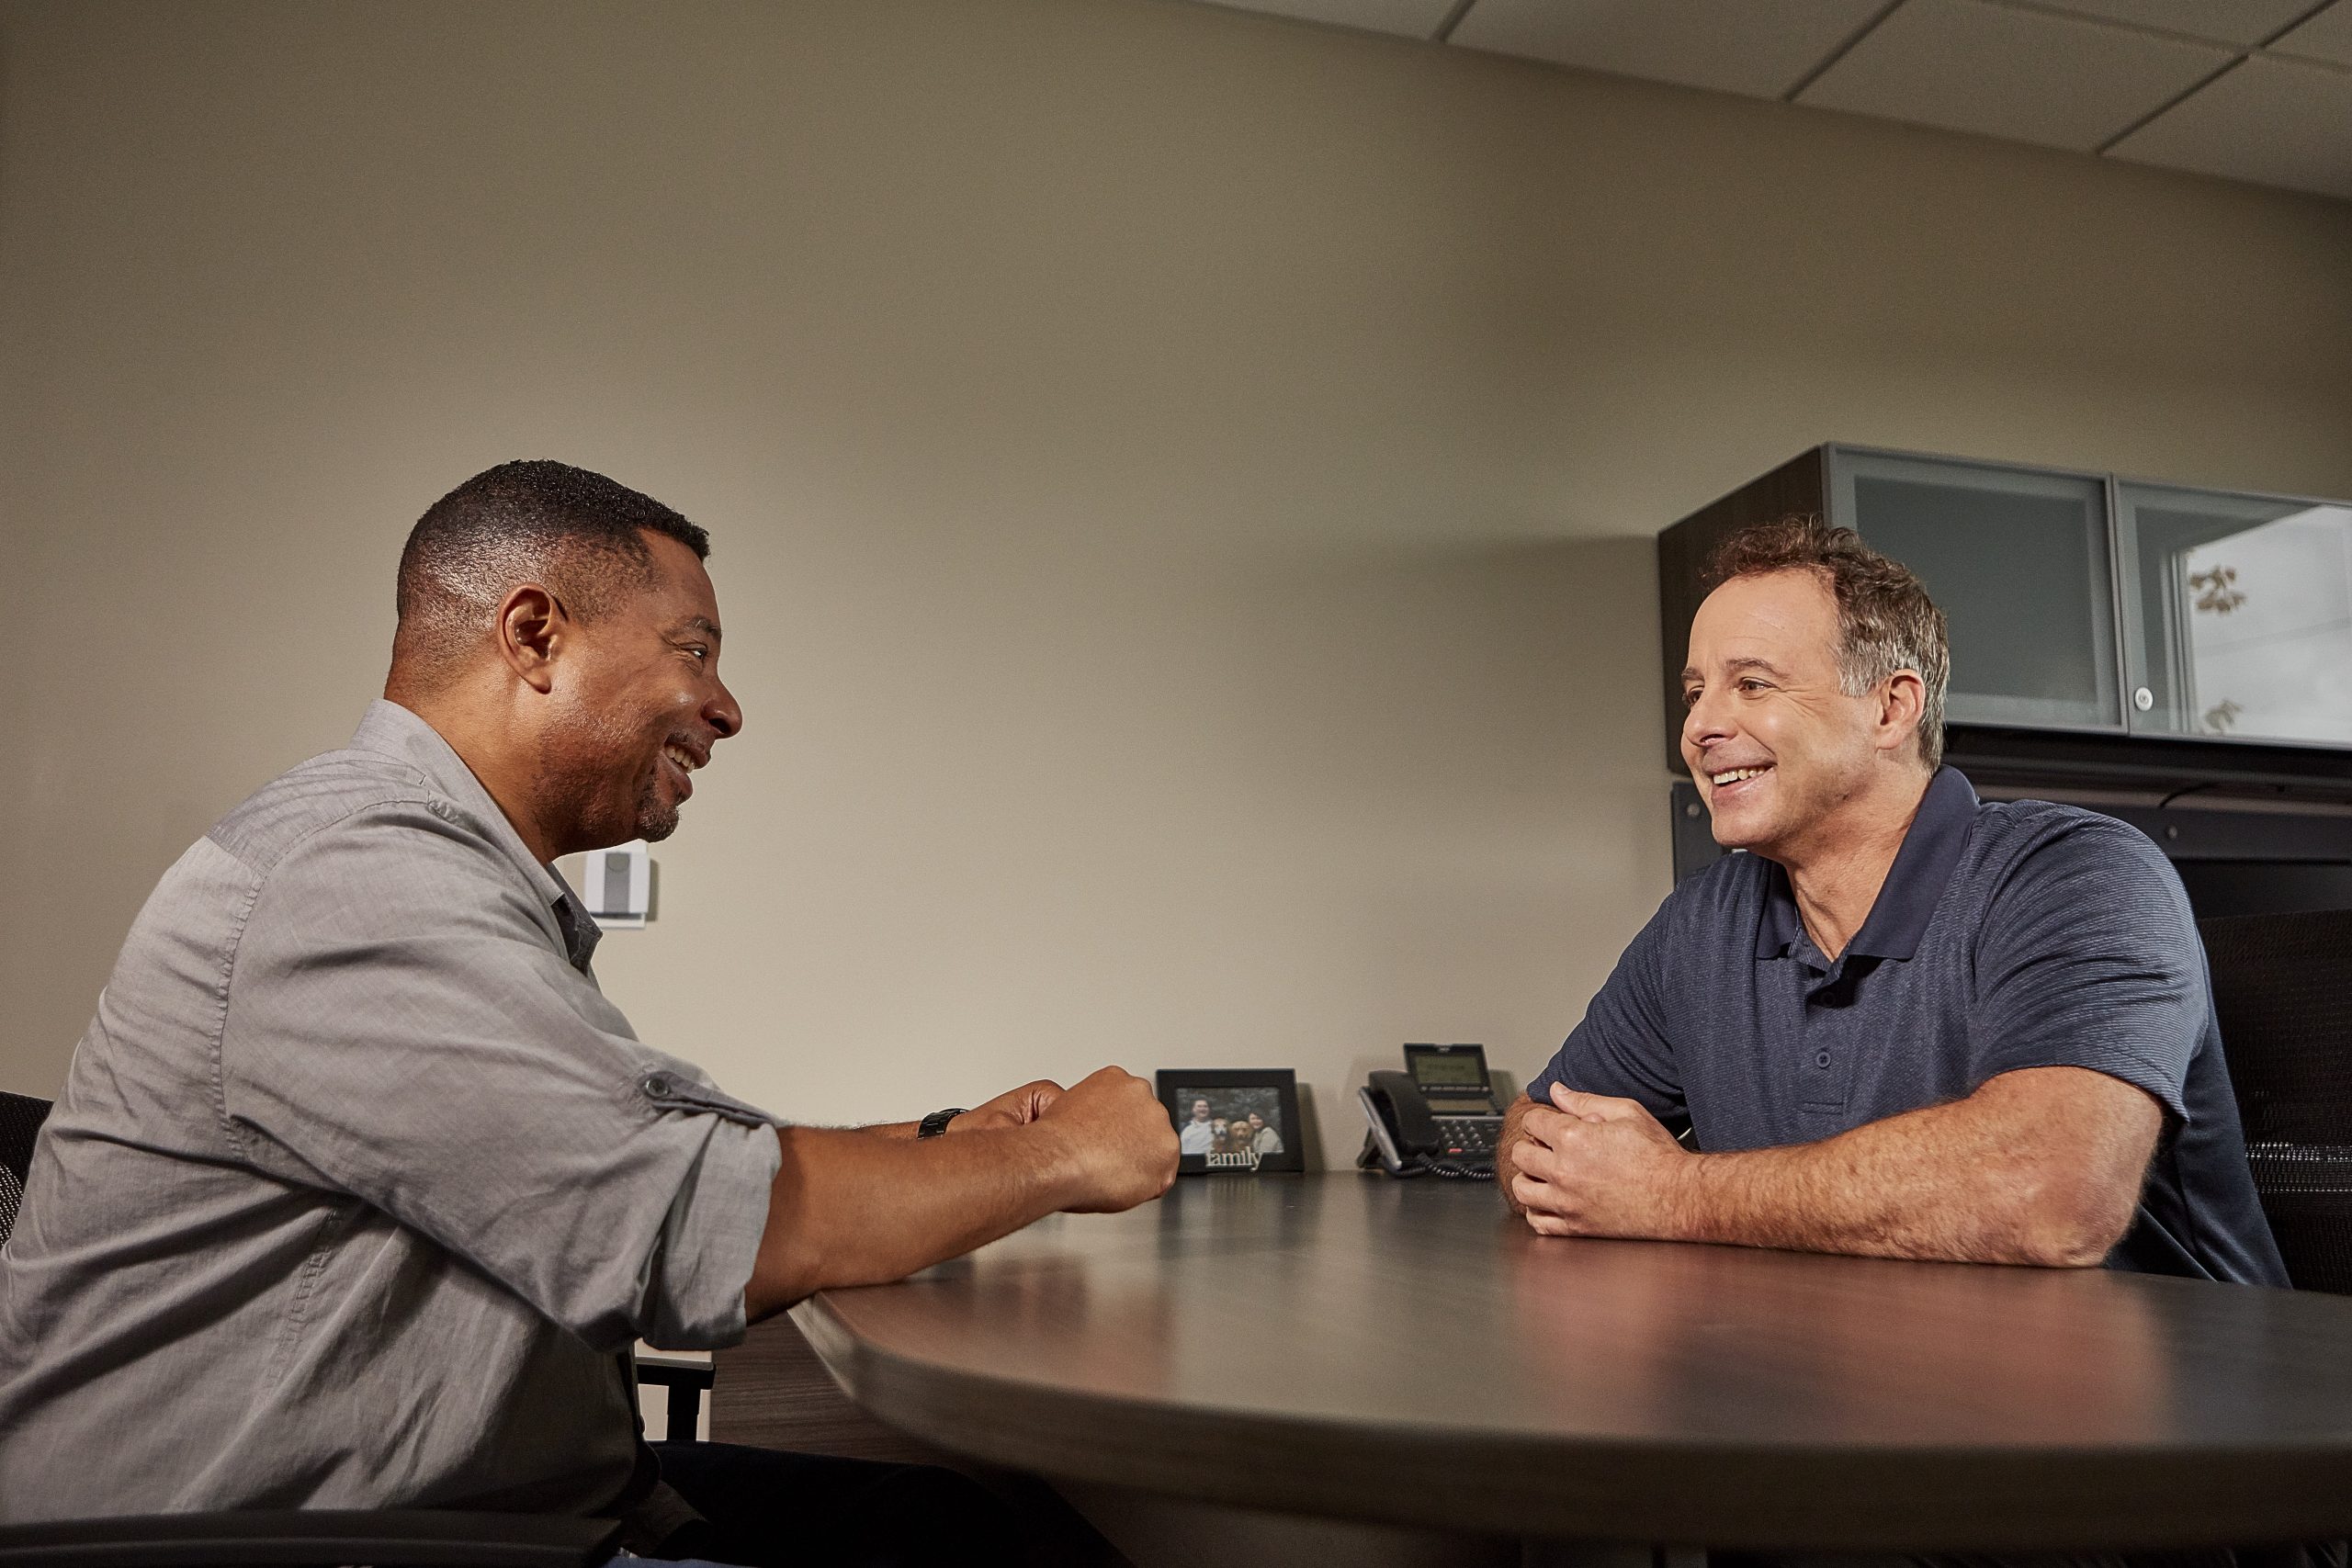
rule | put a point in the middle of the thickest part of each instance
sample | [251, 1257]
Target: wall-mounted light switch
[619, 890]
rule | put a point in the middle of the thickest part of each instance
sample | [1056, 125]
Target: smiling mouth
[1730, 776]
[685, 762]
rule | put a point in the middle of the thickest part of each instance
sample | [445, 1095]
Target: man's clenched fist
[1116, 1137]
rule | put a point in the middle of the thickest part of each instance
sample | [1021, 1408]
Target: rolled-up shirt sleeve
[401, 1026]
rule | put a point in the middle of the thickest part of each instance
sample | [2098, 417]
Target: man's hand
[1014, 1108]
[1589, 1165]
[1117, 1135]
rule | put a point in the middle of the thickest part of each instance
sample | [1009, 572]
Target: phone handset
[1402, 1135]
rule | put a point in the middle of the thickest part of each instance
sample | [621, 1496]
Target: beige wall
[1181, 482]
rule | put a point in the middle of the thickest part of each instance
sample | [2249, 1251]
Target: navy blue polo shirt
[2010, 934]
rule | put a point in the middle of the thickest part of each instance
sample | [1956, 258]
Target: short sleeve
[1622, 1047]
[2088, 958]
[402, 1026]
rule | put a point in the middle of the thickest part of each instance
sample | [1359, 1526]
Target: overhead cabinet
[2155, 629]
[2237, 615]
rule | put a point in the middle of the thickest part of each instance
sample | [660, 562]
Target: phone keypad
[1472, 1136]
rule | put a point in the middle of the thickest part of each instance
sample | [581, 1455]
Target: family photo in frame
[1234, 1120]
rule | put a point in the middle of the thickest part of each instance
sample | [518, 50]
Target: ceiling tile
[1760, 46]
[2025, 75]
[1413, 19]
[2327, 36]
[2272, 121]
[2227, 21]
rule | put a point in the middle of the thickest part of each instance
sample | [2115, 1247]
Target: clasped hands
[1592, 1164]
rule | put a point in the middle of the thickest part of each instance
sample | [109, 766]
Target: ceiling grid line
[2059, 10]
[2177, 99]
[2162, 110]
[2258, 91]
[1843, 50]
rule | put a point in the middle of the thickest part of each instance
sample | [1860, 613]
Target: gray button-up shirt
[359, 1184]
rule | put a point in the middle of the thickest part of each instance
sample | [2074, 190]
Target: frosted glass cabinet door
[2019, 561]
[2237, 615]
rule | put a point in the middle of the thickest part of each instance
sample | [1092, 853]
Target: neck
[1838, 872]
[486, 745]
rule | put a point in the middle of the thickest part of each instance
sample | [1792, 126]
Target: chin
[656, 819]
[1738, 834]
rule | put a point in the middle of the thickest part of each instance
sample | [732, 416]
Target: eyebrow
[697, 623]
[1692, 672]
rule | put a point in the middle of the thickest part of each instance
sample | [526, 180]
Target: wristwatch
[936, 1122]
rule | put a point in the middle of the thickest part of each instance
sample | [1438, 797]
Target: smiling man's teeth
[679, 755]
[1734, 776]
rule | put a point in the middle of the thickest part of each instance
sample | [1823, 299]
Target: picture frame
[1262, 1103]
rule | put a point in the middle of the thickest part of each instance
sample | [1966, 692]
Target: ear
[532, 629]
[1903, 697]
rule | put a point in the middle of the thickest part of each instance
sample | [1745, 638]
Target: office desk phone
[1439, 1117]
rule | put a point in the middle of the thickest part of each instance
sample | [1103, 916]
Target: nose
[722, 713]
[1707, 723]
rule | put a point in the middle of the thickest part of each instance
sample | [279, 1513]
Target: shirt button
[1822, 1060]
[657, 1083]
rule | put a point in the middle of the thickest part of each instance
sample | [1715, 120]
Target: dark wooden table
[1356, 1347]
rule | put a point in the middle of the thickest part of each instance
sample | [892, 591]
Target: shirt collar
[392, 730]
[1914, 883]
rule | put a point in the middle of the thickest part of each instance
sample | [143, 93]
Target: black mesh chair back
[2282, 987]
[20, 1119]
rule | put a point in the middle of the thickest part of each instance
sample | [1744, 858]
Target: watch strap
[936, 1122]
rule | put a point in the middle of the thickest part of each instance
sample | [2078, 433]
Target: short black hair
[577, 532]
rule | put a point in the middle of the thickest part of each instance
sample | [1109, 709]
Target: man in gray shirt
[360, 1191]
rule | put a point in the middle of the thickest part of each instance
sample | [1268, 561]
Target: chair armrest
[303, 1538]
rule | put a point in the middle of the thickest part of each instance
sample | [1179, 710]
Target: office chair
[291, 1537]
[2283, 989]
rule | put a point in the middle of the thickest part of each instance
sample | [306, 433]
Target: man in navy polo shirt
[1907, 1023]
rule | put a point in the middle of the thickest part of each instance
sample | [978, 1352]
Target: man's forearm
[1956, 1181]
[850, 1208]
[860, 1206]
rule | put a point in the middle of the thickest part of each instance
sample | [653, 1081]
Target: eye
[1689, 697]
[700, 652]
[1750, 683]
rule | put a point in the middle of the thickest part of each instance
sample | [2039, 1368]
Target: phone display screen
[1448, 1072]
[1438, 1070]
